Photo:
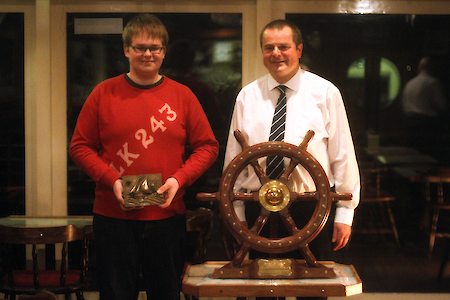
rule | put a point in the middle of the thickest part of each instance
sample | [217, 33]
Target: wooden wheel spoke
[309, 256]
[247, 196]
[308, 137]
[309, 196]
[259, 172]
[254, 163]
[240, 255]
[260, 221]
[289, 222]
[288, 171]
[239, 196]
[341, 196]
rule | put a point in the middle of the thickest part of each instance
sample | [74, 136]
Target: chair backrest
[199, 223]
[371, 181]
[58, 281]
[437, 186]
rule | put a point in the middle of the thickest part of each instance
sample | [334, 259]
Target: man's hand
[341, 234]
[169, 189]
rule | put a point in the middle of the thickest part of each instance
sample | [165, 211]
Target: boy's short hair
[145, 24]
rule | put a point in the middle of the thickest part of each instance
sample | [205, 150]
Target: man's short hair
[147, 25]
[279, 25]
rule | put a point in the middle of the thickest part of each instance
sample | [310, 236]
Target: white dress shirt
[313, 103]
[424, 95]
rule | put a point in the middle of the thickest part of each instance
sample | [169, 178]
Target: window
[12, 131]
[370, 58]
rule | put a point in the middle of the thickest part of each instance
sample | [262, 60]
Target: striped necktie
[275, 164]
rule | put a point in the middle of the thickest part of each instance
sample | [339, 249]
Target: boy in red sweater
[132, 124]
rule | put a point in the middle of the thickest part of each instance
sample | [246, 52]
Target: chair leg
[425, 222]
[79, 295]
[433, 231]
[444, 262]
[392, 220]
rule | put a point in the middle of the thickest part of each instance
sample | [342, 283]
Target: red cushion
[46, 277]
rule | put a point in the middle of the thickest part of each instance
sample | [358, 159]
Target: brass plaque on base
[274, 268]
[140, 190]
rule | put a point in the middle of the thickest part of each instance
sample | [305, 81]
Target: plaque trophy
[140, 190]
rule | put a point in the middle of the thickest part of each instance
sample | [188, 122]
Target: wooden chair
[60, 280]
[198, 225]
[376, 203]
[437, 187]
[445, 260]
[42, 295]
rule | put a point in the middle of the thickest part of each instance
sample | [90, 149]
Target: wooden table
[197, 281]
[21, 221]
[406, 162]
[400, 156]
[391, 150]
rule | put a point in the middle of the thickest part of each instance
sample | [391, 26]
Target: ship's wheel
[274, 197]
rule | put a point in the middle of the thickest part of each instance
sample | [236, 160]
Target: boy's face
[147, 64]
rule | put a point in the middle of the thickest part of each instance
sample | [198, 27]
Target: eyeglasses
[152, 49]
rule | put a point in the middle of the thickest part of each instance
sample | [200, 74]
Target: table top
[198, 282]
[412, 159]
[399, 155]
[391, 150]
[20, 221]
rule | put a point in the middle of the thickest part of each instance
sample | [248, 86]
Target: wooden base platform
[198, 282]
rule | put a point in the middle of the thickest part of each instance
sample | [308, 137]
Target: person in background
[180, 60]
[424, 103]
[311, 102]
[139, 123]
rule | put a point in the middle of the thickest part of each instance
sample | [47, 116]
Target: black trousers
[301, 212]
[127, 248]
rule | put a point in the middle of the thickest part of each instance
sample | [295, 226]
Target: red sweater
[124, 129]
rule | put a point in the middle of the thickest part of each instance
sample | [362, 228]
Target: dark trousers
[301, 212]
[128, 248]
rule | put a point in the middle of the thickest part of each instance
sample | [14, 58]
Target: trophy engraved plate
[274, 267]
[140, 190]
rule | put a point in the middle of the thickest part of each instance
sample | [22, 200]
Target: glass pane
[12, 132]
[389, 47]
[389, 77]
[214, 43]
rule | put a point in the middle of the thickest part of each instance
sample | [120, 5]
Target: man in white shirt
[424, 104]
[313, 103]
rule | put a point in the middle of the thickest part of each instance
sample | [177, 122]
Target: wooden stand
[198, 282]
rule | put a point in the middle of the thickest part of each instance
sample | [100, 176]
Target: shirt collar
[292, 84]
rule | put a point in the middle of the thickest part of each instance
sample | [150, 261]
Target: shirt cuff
[344, 215]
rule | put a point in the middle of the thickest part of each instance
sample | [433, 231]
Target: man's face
[147, 64]
[281, 56]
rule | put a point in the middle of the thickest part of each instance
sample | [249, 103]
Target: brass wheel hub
[274, 196]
